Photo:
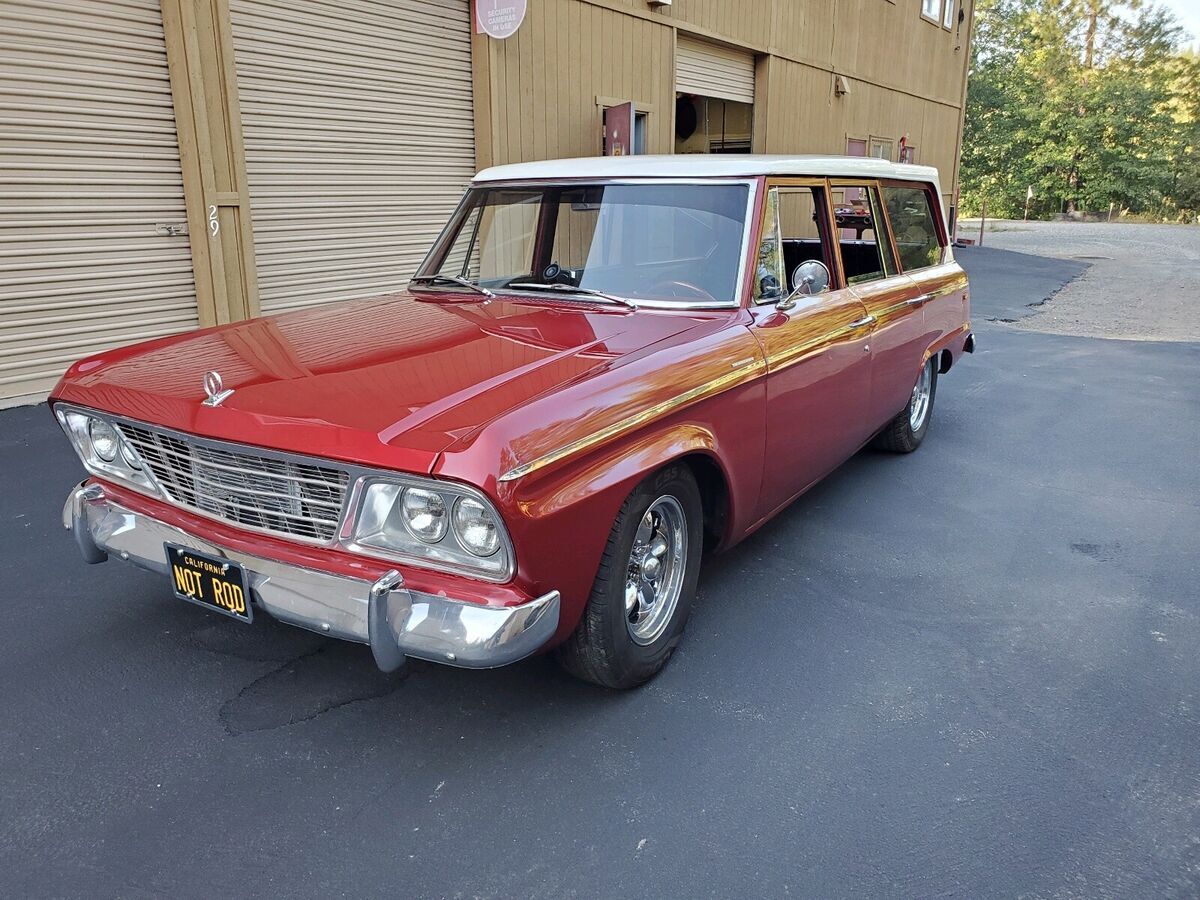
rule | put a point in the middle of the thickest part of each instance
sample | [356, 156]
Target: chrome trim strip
[405, 622]
[628, 424]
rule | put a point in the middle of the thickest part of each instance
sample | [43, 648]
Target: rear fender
[953, 342]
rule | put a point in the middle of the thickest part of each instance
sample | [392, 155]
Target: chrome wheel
[656, 569]
[918, 407]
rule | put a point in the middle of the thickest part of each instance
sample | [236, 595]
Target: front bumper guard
[395, 621]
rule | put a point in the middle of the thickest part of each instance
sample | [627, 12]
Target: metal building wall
[359, 139]
[89, 184]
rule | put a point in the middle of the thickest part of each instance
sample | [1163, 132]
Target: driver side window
[793, 234]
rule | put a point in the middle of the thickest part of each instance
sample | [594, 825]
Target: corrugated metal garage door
[359, 132]
[713, 71]
[89, 166]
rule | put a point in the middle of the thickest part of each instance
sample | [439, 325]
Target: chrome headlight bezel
[78, 424]
[375, 527]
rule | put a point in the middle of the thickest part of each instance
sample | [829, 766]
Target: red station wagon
[603, 369]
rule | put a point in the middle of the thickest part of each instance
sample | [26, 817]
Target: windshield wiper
[452, 279]
[558, 287]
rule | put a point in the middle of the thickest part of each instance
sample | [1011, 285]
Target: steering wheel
[672, 286]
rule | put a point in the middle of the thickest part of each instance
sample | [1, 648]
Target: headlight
[424, 514]
[104, 439]
[103, 449]
[475, 527]
[431, 523]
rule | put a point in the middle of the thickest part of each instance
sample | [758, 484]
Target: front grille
[295, 499]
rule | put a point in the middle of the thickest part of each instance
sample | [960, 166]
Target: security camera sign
[499, 18]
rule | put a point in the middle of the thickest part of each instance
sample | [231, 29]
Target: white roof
[704, 165]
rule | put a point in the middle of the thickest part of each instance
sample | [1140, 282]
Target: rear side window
[857, 212]
[913, 227]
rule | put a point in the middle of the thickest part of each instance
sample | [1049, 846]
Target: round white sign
[499, 18]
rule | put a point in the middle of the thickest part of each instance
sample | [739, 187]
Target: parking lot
[972, 671]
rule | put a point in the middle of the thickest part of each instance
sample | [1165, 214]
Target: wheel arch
[609, 476]
[714, 494]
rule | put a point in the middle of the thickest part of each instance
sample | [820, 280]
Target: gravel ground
[1142, 284]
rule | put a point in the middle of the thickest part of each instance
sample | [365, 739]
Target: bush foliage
[1089, 102]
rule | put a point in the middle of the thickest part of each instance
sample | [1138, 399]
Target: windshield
[678, 243]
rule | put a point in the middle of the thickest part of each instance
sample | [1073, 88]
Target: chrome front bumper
[394, 621]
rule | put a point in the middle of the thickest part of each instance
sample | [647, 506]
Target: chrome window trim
[748, 227]
[358, 476]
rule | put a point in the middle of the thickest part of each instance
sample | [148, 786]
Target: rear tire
[645, 585]
[905, 432]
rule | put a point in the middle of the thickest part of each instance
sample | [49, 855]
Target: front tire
[905, 432]
[645, 585]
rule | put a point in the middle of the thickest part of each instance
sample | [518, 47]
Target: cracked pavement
[971, 671]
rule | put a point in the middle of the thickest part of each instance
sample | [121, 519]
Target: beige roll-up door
[359, 133]
[713, 71]
[89, 171]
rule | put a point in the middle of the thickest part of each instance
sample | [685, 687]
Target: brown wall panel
[905, 74]
[545, 80]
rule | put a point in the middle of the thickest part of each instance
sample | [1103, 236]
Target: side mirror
[810, 277]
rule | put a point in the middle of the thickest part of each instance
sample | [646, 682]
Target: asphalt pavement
[971, 671]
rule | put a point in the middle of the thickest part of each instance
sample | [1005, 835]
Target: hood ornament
[214, 387]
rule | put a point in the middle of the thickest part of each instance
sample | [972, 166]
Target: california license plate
[209, 581]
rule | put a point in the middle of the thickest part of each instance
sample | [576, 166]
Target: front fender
[569, 514]
[623, 467]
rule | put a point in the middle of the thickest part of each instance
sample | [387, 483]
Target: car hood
[388, 381]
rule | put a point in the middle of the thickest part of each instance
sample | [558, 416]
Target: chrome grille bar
[293, 498]
[210, 464]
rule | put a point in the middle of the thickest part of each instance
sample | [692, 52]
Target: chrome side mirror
[810, 277]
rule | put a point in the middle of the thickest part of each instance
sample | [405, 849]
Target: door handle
[863, 322]
[918, 300]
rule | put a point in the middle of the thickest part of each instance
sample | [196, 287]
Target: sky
[1188, 14]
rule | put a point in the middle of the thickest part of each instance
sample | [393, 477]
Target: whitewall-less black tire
[645, 585]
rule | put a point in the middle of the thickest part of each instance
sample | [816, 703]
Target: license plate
[209, 581]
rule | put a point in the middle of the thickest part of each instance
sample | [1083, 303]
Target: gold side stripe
[635, 421]
[795, 354]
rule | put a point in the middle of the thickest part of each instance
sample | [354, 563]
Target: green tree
[1086, 101]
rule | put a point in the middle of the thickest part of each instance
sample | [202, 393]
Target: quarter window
[913, 226]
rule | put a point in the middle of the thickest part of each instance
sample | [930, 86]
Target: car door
[869, 266]
[816, 347]
[919, 231]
